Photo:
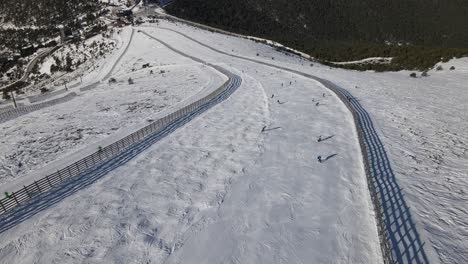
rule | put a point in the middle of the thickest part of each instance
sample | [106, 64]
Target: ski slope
[423, 125]
[187, 187]
[29, 143]
[241, 183]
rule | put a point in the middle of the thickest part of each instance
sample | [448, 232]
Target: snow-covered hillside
[423, 123]
[240, 183]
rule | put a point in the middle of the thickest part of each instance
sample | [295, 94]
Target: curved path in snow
[400, 240]
[58, 193]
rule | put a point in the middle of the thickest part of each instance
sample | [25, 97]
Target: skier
[319, 158]
[319, 139]
[317, 104]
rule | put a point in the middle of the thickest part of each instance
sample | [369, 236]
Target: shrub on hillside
[413, 75]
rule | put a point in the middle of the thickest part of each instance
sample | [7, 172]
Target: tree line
[418, 33]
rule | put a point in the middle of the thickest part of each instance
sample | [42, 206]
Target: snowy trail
[217, 189]
[26, 210]
[32, 149]
[401, 239]
[134, 223]
[217, 256]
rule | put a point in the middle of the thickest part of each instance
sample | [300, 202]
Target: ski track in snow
[186, 189]
[423, 126]
[220, 191]
[135, 217]
[28, 143]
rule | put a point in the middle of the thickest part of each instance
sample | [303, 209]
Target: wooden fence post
[37, 186]
[26, 190]
[48, 181]
[3, 207]
[14, 197]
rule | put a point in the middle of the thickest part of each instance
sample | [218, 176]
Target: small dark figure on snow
[273, 95]
[320, 139]
[319, 158]
[323, 95]
[263, 129]
[290, 82]
[317, 104]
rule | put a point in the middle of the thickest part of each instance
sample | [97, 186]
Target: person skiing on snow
[319, 139]
[319, 158]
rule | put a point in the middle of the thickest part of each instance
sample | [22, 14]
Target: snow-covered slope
[241, 183]
[29, 142]
[423, 123]
[220, 182]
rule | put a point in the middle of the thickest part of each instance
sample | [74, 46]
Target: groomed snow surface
[423, 125]
[219, 190]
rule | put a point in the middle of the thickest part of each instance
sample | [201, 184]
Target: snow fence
[400, 240]
[18, 205]
[14, 113]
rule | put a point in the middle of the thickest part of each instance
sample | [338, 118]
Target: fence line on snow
[399, 238]
[45, 96]
[14, 113]
[381, 226]
[22, 196]
[9, 108]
